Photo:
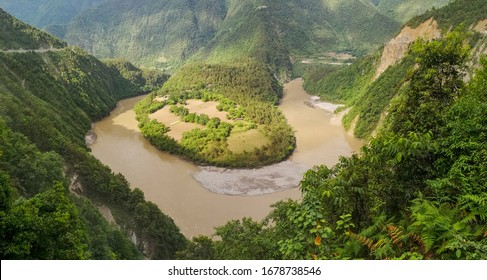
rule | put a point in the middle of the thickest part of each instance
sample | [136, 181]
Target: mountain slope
[369, 85]
[272, 31]
[45, 13]
[403, 10]
[147, 32]
[165, 33]
[48, 101]
[16, 35]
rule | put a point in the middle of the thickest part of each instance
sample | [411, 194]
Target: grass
[241, 141]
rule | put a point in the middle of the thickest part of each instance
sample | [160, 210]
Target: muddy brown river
[201, 198]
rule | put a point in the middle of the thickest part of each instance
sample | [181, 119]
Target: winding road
[40, 50]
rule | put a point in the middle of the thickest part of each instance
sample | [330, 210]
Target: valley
[196, 197]
[226, 129]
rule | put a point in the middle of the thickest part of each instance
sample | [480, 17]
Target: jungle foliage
[414, 192]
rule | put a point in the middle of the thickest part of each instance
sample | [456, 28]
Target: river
[182, 189]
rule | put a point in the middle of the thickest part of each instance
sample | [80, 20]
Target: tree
[47, 226]
[434, 82]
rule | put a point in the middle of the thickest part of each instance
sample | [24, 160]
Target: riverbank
[196, 208]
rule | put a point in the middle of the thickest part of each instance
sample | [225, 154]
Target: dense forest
[51, 187]
[416, 191]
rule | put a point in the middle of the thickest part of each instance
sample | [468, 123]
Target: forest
[416, 191]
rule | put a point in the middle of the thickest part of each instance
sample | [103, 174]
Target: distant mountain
[147, 32]
[15, 34]
[165, 33]
[404, 10]
[272, 31]
[45, 13]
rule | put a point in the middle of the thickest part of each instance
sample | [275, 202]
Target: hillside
[166, 33]
[273, 31]
[51, 186]
[47, 13]
[147, 32]
[369, 85]
[17, 35]
[404, 10]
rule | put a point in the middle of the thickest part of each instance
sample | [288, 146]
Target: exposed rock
[396, 49]
[107, 214]
[75, 186]
[90, 137]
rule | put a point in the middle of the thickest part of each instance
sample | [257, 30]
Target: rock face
[396, 49]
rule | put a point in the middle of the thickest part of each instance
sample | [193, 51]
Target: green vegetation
[271, 31]
[466, 12]
[370, 97]
[50, 185]
[403, 10]
[414, 192]
[147, 32]
[146, 80]
[166, 34]
[247, 91]
[17, 35]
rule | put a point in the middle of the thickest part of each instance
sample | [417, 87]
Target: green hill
[16, 35]
[147, 32]
[369, 95]
[45, 13]
[246, 92]
[403, 10]
[165, 33]
[49, 182]
[273, 31]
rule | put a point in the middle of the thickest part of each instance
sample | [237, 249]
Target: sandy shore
[330, 107]
[279, 177]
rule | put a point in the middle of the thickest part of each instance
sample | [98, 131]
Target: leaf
[318, 240]
[459, 253]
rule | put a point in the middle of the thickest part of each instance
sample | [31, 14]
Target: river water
[182, 189]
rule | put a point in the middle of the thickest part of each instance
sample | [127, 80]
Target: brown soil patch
[481, 26]
[176, 126]
[208, 108]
